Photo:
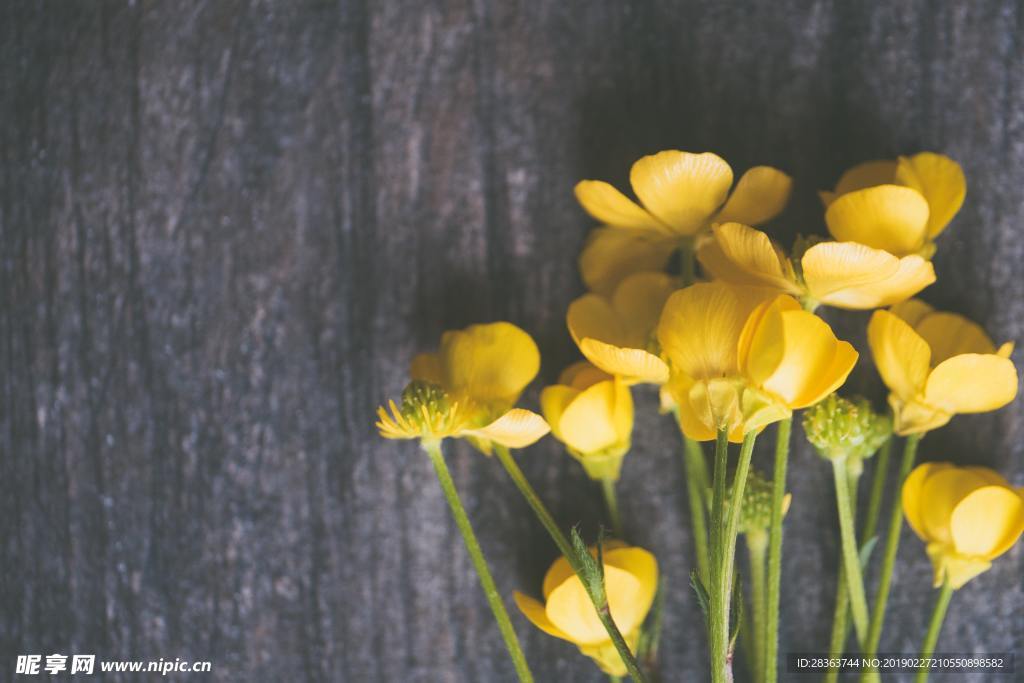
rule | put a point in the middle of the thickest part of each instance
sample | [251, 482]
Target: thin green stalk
[603, 611]
[934, 626]
[614, 679]
[696, 471]
[433, 449]
[892, 544]
[718, 620]
[841, 614]
[771, 640]
[757, 551]
[739, 483]
[612, 503]
[877, 489]
[851, 558]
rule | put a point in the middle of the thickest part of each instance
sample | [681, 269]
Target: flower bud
[841, 428]
[756, 511]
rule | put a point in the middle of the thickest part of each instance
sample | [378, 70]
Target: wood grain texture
[226, 227]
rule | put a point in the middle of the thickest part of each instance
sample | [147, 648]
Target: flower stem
[433, 449]
[612, 503]
[771, 639]
[892, 544]
[718, 619]
[934, 626]
[757, 551]
[841, 615]
[877, 489]
[603, 611]
[851, 559]
[696, 471]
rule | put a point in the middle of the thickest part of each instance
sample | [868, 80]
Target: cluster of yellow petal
[938, 364]
[681, 194]
[631, 581]
[477, 376]
[591, 412]
[967, 516]
[743, 357]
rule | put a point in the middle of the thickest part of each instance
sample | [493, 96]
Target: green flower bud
[756, 511]
[841, 428]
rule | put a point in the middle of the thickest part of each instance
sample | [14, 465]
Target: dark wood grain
[226, 227]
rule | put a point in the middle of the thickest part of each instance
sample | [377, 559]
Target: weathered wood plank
[226, 227]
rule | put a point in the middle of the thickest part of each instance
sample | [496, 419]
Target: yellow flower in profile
[968, 516]
[899, 206]
[938, 364]
[616, 332]
[681, 194]
[468, 389]
[591, 412]
[631, 581]
[744, 357]
[842, 274]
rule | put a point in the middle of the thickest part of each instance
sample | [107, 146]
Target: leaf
[703, 599]
[866, 550]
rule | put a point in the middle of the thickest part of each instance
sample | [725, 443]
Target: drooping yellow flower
[743, 357]
[468, 389]
[899, 206]
[842, 274]
[938, 364]
[616, 332]
[631, 581]
[591, 412]
[968, 516]
[681, 194]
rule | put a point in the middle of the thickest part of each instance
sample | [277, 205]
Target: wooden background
[226, 227]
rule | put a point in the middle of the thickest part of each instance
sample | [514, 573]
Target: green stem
[934, 626]
[739, 483]
[696, 470]
[718, 620]
[757, 550]
[603, 611]
[841, 615]
[612, 503]
[771, 640]
[851, 559]
[877, 489]
[433, 449]
[892, 544]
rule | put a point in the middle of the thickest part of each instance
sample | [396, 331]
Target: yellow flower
[744, 357]
[615, 332]
[631, 581]
[468, 389]
[968, 516]
[841, 274]
[591, 412]
[938, 364]
[900, 206]
[681, 194]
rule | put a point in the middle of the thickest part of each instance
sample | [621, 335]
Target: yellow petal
[534, 611]
[490, 362]
[888, 217]
[581, 375]
[518, 428]
[759, 196]
[972, 383]
[900, 354]
[834, 266]
[949, 334]
[553, 402]
[911, 311]
[940, 180]
[571, 611]
[744, 256]
[867, 174]
[592, 316]
[762, 344]
[633, 365]
[642, 565]
[912, 274]
[911, 498]
[590, 423]
[638, 301]
[701, 325]
[427, 367]
[1005, 350]
[559, 572]
[678, 388]
[611, 254]
[952, 567]
[988, 521]
[682, 189]
[916, 417]
[608, 205]
[941, 492]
